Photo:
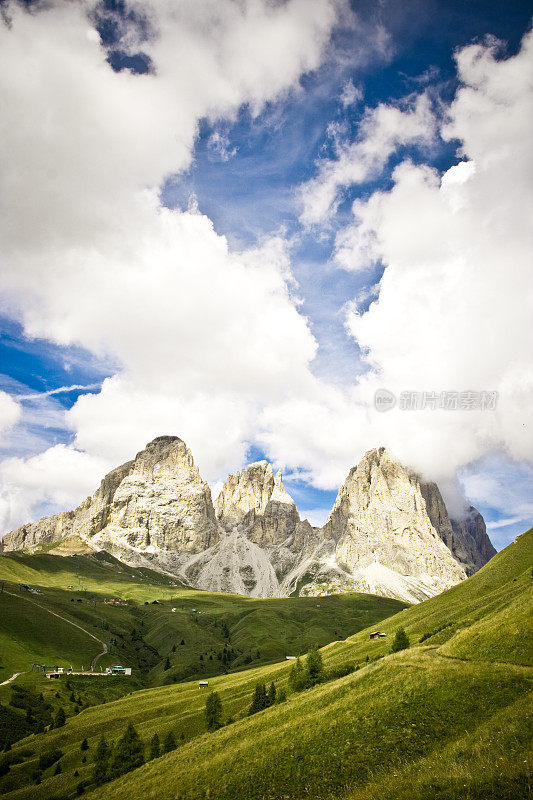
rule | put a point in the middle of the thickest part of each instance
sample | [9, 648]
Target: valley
[448, 717]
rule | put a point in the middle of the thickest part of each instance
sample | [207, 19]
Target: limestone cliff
[247, 491]
[388, 533]
[156, 502]
[263, 536]
[380, 524]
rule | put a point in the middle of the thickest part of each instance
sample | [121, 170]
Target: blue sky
[246, 165]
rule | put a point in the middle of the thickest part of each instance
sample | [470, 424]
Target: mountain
[389, 533]
[155, 504]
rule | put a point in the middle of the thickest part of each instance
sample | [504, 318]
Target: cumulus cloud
[89, 255]
[10, 412]
[453, 311]
[381, 131]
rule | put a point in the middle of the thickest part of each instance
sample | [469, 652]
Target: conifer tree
[297, 677]
[170, 743]
[128, 753]
[314, 667]
[281, 696]
[84, 745]
[155, 750]
[58, 770]
[101, 761]
[213, 712]
[60, 718]
[167, 664]
[259, 699]
[401, 641]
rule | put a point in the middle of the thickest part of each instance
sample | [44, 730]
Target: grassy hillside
[205, 634]
[97, 572]
[447, 718]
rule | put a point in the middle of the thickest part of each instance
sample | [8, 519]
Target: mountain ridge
[389, 532]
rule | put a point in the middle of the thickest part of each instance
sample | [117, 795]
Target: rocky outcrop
[248, 491]
[263, 536]
[471, 532]
[388, 533]
[465, 537]
[380, 523]
[156, 502]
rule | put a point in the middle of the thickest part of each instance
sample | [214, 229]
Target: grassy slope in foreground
[420, 724]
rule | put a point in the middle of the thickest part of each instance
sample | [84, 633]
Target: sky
[292, 230]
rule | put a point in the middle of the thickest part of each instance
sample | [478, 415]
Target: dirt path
[69, 622]
[11, 679]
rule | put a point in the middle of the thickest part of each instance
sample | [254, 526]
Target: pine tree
[259, 699]
[155, 750]
[281, 696]
[128, 753]
[167, 664]
[60, 718]
[271, 697]
[213, 712]
[314, 667]
[401, 641]
[58, 769]
[101, 761]
[84, 745]
[297, 677]
[170, 743]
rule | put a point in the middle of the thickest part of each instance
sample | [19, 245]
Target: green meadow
[449, 717]
[166, 633]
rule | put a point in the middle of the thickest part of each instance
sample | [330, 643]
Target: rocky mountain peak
[279, 494]
[247, 491]
[388, 533]
[166, 457]
[154, 503]
[380, 523]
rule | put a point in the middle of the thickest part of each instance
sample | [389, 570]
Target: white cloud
[10, 412]
[90, 257]
[453, 311]
[381, 131]
[351, 94]
[453, 308]
[75, 387]
[219, 146]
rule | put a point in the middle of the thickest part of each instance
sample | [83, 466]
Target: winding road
[69, 622]
[11, 679]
